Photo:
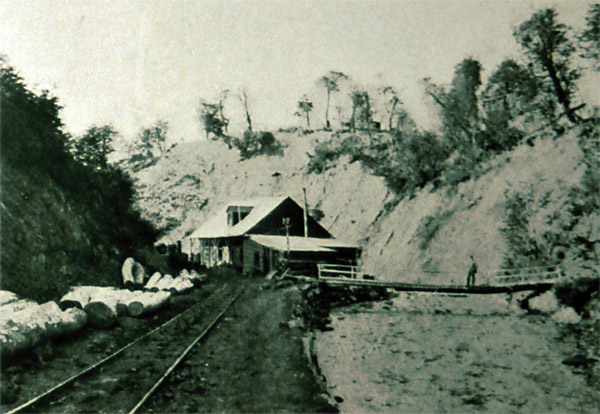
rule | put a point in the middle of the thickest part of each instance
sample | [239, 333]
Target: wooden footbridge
[498, 281]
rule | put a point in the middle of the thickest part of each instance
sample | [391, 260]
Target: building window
[236, 214]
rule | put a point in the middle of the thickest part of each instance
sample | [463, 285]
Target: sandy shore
[436, 353]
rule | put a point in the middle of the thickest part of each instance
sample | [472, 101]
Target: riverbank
[437, 353]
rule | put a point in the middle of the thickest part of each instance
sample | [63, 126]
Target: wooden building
[256, 235]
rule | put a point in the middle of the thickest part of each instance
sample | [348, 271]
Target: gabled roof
[217, 226]
[300, 244]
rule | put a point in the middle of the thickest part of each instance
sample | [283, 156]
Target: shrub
[317, 214]
[325, 153]
[429, 227]
[570, 230]
[576, 293]
[320, 161]
[417, 159]
[258, 143]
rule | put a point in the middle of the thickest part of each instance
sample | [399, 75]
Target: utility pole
[286, 224]
[305, 214]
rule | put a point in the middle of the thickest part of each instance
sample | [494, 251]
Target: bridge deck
[415, 287]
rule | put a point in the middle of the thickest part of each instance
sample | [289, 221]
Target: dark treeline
[521, 100]
[68, 216]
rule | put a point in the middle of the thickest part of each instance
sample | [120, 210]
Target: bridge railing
[337, 270]
[499, 277]
[526, 275]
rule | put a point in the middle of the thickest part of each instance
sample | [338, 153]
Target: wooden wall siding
[250, 249]
[237, 258]
[273, 223]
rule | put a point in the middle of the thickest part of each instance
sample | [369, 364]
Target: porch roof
[300, 244]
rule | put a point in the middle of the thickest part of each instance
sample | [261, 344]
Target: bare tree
[392, 104]
[221, 102]
[361, 110]
[304, 108]
[243, 97]
[331, 82]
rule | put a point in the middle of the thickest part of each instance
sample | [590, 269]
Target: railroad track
[124, 382]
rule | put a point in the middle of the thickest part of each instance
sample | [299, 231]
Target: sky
[131, 63]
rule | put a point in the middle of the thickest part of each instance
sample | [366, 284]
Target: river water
[424, 352]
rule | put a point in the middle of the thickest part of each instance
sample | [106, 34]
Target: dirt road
[253, 362]
[433, 353]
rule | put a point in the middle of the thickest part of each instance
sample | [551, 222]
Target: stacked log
[77, 297]
[7, 297]
[133, 274]
[164, 283]
[181, 285]
[102, 311]
[196, 278]
[24, 324]
[126, 272]
[147, 302]
[106, 304]
[151, 285]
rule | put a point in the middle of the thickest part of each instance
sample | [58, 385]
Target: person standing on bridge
[472, 272]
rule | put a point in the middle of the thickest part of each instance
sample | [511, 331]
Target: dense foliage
[258, 143]
[76, 211]
[571, 230]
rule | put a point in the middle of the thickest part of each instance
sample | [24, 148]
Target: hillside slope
[194, 179]
[64, 222]
[427, 237]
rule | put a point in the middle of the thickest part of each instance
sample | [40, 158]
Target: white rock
[566, 314]
[545, 303]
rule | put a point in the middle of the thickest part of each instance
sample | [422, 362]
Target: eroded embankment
[432, 353]
[318, 301]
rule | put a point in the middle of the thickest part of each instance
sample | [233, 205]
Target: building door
[266, 260]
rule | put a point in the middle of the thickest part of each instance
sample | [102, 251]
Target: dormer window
[235, 214]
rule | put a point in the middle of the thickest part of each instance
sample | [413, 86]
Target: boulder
[566, 315]
[544, 303]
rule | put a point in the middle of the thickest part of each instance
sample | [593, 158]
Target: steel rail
[97, 364]
[184, 354]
